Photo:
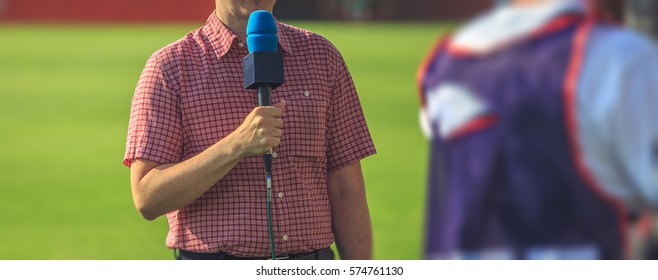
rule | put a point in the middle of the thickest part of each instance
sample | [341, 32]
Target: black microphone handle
[264, 95]
[265, 99]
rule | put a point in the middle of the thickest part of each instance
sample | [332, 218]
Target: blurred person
[195, 144]
[544, 141]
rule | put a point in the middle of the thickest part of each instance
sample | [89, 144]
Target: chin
[258, 5]
[263, 5]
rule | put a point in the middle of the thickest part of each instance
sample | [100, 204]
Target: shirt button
[285, 237]
[274, 154]
[280, 195]
[241, 45]
[307, 94]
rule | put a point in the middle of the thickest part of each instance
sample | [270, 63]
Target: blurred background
[68, 69]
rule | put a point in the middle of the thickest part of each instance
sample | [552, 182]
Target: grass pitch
[65, 95]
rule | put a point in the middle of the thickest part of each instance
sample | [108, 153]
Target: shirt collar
[223, 38]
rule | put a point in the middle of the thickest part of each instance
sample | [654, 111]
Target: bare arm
[349, 213]
[158, 189]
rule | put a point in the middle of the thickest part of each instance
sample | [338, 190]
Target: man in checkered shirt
[196, 139]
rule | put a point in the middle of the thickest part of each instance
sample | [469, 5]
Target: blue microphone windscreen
[262, 32]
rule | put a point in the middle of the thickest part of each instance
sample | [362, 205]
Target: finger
[267, 111]
[277, 123]
[272, 121]
[282, 104]
[271, 132]
[275, 143]
[270, 142]
[272, 111]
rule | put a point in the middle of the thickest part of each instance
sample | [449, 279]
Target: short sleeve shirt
[191, 95]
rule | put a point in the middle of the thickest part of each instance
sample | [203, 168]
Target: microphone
[263, 67]
[262, 32]
[263, 70]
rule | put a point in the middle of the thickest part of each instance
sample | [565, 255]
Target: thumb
[281, 105]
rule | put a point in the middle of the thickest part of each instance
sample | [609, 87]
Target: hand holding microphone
[261, 130]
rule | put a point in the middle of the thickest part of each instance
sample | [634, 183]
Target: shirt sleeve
[634, 126]
[618, 118]
[154, 131]
[348, 137]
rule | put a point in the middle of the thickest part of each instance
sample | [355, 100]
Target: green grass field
[65, 95]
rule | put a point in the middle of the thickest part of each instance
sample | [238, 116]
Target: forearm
[349, 214]
[352, 229]
[169, 187]
[159, 189]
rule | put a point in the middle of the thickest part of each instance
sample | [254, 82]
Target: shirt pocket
[304, 140]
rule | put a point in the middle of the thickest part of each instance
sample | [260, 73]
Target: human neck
[237, 24]
[235, 20]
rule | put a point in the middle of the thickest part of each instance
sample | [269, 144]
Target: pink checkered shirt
[190, 96]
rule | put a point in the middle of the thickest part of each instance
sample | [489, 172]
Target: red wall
[384, 9]
[198, 10]
[108, 10]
